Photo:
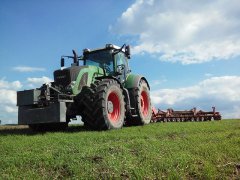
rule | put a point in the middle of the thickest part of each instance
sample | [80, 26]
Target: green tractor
[98, 86]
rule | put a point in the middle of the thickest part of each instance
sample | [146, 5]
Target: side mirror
[62, 62]
[127, 51]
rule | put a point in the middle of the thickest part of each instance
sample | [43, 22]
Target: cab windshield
[101, 58]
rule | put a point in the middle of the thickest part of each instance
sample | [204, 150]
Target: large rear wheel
[140, 100]
[107, 108]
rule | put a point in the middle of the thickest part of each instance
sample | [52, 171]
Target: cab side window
[121, 60]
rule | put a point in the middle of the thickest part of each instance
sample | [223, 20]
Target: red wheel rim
[144, 103]
[114, 113]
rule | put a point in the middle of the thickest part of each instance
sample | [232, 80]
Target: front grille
[66, 76]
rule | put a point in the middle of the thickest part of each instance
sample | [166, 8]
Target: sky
[188, 50]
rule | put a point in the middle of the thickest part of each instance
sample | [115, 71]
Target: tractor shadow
[25, 130]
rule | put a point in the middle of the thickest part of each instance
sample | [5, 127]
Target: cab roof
[108, 46]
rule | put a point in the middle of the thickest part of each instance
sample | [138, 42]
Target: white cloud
[8, 99]
[183, 31]
[8, 96]
[10, 109]
[28, 69]
[234, 113]
[222, 92]
[9, 85]
[156, 83]
[37, 82]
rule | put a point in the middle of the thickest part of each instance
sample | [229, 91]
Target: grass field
[194, 150]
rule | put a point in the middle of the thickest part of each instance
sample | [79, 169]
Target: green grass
[194, 150]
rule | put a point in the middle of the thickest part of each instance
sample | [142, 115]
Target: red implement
[183, 116]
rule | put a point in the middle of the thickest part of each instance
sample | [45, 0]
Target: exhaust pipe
[75, 57]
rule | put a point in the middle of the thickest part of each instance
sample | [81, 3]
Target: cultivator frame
[183, 116]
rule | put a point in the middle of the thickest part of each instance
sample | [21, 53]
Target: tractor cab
[112, 59]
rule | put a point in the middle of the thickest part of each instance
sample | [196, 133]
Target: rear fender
[133, 81]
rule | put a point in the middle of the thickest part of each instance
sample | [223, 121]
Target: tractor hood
[63, 77]
[72, 79]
